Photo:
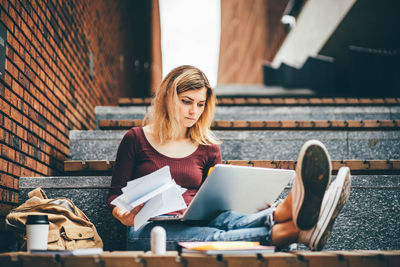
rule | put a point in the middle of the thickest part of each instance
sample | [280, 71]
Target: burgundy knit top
[136, 158]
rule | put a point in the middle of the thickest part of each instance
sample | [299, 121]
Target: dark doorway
[136, 20]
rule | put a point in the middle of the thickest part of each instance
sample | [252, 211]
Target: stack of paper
[157, 190]
[225, 247]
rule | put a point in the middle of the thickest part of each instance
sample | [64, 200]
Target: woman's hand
[126, 217]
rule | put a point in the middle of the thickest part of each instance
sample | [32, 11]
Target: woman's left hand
[126, 217]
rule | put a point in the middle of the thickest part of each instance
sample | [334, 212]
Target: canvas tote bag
[69, 228]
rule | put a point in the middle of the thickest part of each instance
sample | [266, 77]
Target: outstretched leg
[286, 232]
[301, 209]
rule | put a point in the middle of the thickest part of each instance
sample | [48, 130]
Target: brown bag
[69, 228]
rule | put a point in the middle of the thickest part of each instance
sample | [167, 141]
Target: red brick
[5, 107]
[7, 78]
[12, 69]
[25, 147]
[14, 169]
[14, 198]
[2, 138]
[17, 89]
[7, 181]
[16, 115]
[12, 12]
[21, 133]
[3, 165]
[4, 4]
[30, 163]
[18, 62]
[27, 173]
[7, 152]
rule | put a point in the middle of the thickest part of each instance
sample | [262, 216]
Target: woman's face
[191, 105]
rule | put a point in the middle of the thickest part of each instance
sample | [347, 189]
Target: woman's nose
[193, 109]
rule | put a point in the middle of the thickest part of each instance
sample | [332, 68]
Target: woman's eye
[201, 105]
[185, 101]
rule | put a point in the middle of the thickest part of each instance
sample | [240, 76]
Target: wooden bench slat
[356, 166]
[74, 165]
[171, 258]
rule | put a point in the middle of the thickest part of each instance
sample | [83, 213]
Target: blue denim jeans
[227, 226]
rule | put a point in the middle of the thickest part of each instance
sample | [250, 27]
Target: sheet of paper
[157, 190]
[128, 203]
[141, 186]
[173, 201]
[165, 202]
[142, 189]
[148, 209]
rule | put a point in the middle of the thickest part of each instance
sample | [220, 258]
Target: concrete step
[262, 113]
[261, 145]
[368, 221]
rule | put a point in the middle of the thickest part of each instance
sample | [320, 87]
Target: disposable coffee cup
[37, 232]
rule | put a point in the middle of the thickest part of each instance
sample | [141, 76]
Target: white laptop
[239, 188]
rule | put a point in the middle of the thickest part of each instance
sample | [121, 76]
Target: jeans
[227, 226]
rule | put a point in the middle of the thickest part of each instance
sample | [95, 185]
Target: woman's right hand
[126, 217]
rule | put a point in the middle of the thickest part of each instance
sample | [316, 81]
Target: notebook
[239, 188]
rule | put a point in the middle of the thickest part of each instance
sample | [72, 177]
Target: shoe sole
[313, 175]
[336, 202]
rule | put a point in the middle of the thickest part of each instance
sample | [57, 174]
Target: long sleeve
[124, 167]
[213, 159]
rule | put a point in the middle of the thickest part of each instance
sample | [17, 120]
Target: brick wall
[51, 47]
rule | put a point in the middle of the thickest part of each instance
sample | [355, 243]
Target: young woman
[177, 133]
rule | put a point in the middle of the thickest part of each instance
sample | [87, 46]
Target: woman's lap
[227, 226]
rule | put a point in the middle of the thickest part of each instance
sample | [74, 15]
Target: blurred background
[319, 47]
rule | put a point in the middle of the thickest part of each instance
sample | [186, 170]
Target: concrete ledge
[368, 221]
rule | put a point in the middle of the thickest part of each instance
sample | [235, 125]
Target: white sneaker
[313, 173]
[334, 200]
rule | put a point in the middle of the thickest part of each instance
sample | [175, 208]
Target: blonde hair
[162, 115]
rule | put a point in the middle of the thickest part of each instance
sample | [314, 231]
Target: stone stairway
[370, 220]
